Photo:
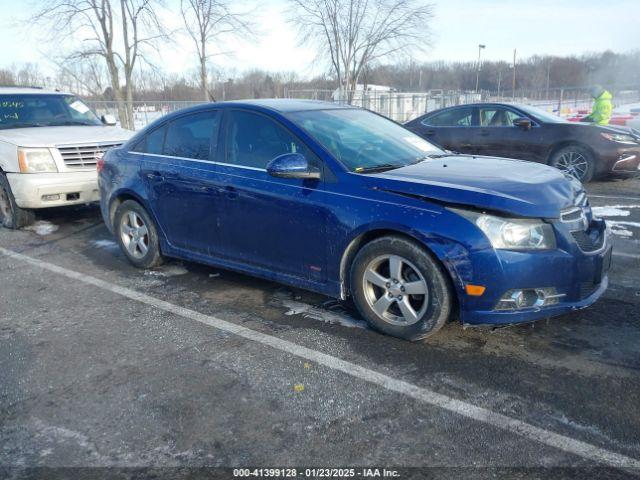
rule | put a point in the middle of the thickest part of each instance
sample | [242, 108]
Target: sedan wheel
[137, 235]
[575, 161]
[400, 288]
[395, 290]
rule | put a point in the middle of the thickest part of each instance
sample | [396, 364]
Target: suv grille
[84, 156]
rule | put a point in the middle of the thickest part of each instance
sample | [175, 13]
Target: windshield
[362, 140]
[542, 115]
[21, 111]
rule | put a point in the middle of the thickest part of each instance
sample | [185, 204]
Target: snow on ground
[42, 227]
[106, 244]
[316, 313]
[171, 270]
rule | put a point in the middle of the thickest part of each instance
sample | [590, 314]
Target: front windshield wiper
[378, 168]
[431, 156]
[70, 123]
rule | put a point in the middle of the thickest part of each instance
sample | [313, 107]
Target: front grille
[84, 156]
[588, 241]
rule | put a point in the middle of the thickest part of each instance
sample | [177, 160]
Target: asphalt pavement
[105, 365]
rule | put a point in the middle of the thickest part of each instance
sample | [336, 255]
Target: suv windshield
[364, 141]
[41, 110]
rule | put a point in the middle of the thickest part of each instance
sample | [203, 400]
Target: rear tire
[137, 235]
[400, 289]
[576, 161]
[11, 215]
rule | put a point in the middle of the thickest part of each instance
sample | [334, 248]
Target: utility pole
[513, 81]
[548, 74]
[499, 82]
[480, 48]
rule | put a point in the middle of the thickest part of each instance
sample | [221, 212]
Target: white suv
[50, 143]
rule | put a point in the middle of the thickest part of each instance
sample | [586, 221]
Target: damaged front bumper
[576, 274]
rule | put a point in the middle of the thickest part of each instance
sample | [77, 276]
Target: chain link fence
[403, 106]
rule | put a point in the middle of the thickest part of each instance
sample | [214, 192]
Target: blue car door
[181, 180]
[276, 224]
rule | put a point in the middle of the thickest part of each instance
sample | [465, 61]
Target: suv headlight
[512, 233]
[620, 138]
[36, 160]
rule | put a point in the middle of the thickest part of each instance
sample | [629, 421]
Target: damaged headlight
[512, 233]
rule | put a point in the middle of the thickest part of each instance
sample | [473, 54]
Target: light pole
[480, 48]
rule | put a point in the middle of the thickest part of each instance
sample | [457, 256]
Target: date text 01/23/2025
[315, 473]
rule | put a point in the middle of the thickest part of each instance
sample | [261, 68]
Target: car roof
[286, 105]
[11, 90]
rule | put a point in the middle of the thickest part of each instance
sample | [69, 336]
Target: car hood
[71, 135]
[511, 186]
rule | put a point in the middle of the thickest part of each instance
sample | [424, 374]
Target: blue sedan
[346, 203]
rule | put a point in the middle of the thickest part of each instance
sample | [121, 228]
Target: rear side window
[152, 142]
[497, 117]
[192, 136]
[457, 117]
[253, 140]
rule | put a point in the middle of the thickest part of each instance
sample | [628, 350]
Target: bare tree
[357, 33]
[207, 21]
[115, 30]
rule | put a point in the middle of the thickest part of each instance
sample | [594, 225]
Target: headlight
[36, 160]
[620, 138]
[512, 233]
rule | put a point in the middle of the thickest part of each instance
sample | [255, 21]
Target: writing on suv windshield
[39, 110]
[363, 141]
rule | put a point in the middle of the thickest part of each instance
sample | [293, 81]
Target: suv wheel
[11, 215]
[137, 235]
[400, 289]
[576, 161]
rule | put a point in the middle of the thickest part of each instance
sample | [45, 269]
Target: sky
[555, 27]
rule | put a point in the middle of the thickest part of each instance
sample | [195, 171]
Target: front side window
[253, 140]
[42, 110]
[457, 117]
[362, 140]
[497, 117]
[191, 136]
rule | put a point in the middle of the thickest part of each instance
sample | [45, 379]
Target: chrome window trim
[208, 162]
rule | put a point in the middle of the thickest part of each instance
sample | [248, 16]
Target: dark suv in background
[528, 133]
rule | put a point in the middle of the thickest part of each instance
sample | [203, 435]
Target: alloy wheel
[573, 163]
[395, 290]
[134, 234]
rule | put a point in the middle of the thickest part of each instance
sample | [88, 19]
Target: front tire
[11, 215]
[576, 161]
[137, 235]
[400, 289]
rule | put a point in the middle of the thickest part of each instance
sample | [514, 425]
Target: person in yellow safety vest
[602, 106]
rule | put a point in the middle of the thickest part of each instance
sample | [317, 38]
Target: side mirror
[523, 123]
[108, 119]
[292, 165]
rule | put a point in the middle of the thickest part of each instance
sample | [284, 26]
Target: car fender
[452, 255]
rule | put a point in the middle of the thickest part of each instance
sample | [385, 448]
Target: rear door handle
[484, 133]
[430, 132]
